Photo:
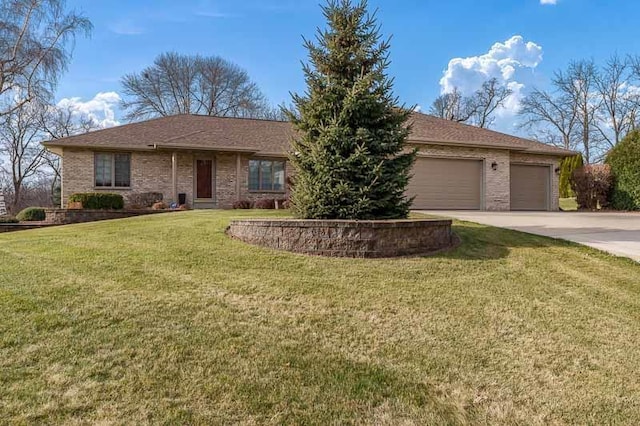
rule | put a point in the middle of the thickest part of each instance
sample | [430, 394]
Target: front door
[204, 179]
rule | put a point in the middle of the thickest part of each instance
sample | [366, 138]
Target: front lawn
[163, 319]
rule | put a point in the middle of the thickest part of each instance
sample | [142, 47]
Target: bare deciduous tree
[183, 84]
[489, 98]
[571, 114]
[34, 48]
[57, 122]
[578, 83]
[452, 106]
[553, 117]
[477, 109]
[619, 99]
[20, 145]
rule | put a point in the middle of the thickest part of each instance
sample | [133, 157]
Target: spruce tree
[349, 154]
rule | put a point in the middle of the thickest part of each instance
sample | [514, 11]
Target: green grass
[163, 319]
[568, 204]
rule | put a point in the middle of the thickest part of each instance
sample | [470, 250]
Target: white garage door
[530, 187]
[446, 184]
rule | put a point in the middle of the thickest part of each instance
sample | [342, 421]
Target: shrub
[144, 200]
[567, 167]
[98, 200]
[265, 204]
[159, 206]
[184, 207]
[8, 219]
[243, 205]
[31, 214]
[592, 185]
[624, 160]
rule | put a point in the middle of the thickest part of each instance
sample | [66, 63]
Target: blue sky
[431, 39]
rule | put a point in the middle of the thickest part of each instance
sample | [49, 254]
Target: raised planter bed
[71, 216]
[347, 238]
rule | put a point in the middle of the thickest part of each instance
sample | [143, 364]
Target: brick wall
[151, 172]
[497, 188]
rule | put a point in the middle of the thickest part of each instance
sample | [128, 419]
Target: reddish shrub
[592, 185]
[242, 205]
[183, 207]
[143, 200]
[159, 206]
[265, 204]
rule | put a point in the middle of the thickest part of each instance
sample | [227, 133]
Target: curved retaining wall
[347, 238]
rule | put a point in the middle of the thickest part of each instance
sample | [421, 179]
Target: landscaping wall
[69, 216]
[13, 227]
[346, 238]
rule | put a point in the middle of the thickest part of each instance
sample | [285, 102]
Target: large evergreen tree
[349, 155]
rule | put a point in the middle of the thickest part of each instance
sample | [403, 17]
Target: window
[266, 175]
[112, 170]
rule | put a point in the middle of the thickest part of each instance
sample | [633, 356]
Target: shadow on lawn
[481, 242]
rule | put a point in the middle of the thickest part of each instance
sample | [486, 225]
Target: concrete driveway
[616, 233]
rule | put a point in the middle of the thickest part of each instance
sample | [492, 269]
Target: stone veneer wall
[70, 216]
[347, 238]
[15, 227]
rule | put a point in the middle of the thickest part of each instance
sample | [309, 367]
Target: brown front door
[204, 179]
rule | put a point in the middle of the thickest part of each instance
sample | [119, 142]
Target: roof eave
[492, 146]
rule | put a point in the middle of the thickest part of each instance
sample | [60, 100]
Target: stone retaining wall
[13, 227]
[346, 238]
[70, 216]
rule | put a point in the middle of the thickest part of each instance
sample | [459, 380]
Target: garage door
[445, 184]
[529, 187]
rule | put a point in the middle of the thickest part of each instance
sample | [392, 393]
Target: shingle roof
[430, 129]
[273, 137]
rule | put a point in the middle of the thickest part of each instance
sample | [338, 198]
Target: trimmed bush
[31, 214]
[592, 185]
[8, 219]
[98, 200]
[567, 167]
[144, 200]
[624, 160]
[242, 205]
[265, 204]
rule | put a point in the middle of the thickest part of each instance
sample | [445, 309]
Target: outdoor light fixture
[557, 170]
[494, 165]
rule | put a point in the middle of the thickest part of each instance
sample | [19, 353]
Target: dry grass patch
[164, 319]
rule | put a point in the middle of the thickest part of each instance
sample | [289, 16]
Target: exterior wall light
[494, 165]
[557, 170]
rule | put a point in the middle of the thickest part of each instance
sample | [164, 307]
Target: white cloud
[551, 2]
[100, 109]
[213, 14]
[511, 62]
[126, 27]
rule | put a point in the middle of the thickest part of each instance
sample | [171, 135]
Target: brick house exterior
[164, 155]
